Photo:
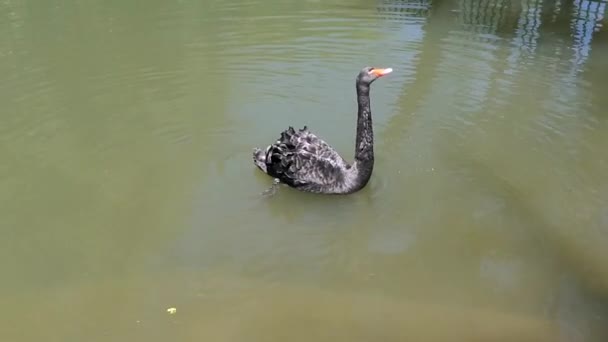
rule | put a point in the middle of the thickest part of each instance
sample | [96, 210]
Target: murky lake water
[127, 186]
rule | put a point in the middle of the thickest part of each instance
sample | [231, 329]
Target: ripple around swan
[319, 51]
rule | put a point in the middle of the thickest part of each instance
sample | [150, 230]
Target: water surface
[127, 185]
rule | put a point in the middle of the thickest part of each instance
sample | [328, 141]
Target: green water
[127, 186]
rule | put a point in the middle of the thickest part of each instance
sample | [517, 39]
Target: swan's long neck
[364, 148]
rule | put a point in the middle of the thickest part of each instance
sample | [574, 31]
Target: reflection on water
[127, 185]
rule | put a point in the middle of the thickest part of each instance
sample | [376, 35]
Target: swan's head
[370, 74]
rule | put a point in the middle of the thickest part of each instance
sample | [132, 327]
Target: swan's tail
[259, 159]
[280, 152]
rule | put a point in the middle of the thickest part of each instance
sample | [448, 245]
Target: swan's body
[303, 161]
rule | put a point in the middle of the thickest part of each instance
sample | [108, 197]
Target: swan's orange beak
[382, 72]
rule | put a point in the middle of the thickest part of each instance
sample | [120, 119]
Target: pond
[127, 185]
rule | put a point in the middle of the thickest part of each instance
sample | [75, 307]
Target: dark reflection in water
[532, 84]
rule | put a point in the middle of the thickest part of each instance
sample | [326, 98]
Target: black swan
[305, 162]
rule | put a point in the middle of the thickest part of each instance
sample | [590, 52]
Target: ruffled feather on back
[303, 160]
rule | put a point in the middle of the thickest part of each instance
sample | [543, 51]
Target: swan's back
[303, 160]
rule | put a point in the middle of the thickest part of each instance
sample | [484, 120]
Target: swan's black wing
[303, 160]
